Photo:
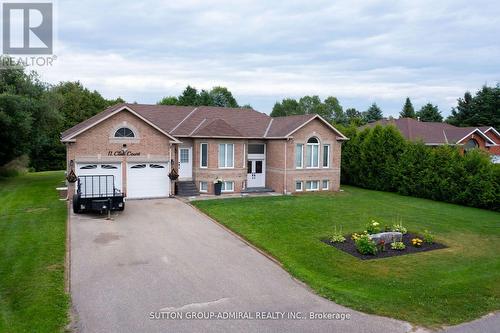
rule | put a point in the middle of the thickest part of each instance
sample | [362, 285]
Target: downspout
[170, 162]
[284, 185]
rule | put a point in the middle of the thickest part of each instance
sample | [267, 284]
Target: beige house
[141, 145]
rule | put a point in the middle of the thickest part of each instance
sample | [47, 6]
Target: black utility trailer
[98, 194]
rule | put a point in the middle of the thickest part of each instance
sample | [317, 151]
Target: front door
[255, 173]
[185, 163]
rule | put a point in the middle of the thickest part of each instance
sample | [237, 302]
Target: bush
[399, 228]
[428, 237]
[336, 236]
[381, 159]
[373, 227]
[400, 246]
[365, 245]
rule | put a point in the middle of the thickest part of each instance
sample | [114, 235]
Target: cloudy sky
[263, 51]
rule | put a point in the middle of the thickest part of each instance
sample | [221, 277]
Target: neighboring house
[141, 144]
[486, 138]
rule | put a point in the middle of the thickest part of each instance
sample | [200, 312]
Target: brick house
[486, 138]
[142, 144]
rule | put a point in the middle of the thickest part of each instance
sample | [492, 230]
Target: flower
[375, 223]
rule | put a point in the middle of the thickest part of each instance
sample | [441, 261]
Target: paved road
[162, 256]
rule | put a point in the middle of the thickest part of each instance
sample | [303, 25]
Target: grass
[32, 250]
[442, 287]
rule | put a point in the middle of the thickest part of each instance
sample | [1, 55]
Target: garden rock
[387, 237]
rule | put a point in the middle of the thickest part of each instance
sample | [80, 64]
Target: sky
[263, 51]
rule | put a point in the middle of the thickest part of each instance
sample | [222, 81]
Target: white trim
[186, 117]
[224, 183]
[225, 156]
[327, 184]
[316, 116]
[481, 133]
[71, 136]
[268, 127]
[301, 156]
[323, 155]
[203, 191]
[318, 144]
[494, 130]
[201, 155]
[312, 189]
[301, 185]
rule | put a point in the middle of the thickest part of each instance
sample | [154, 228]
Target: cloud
[359, 51]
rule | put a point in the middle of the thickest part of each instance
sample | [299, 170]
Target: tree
[408, 110]
[354, 117]
[430, 112]
[189, 97]
[221, 96]
[334, 111]
[205, 98]
[373, 113]
[481, 110]
[168, 100]
[287, 107]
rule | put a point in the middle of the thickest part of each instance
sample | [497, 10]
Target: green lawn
[32, 250]
[441, 287]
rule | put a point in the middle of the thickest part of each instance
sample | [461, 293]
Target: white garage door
[147, 180]
[99, 169]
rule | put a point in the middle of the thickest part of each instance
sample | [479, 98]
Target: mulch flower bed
[350, 247]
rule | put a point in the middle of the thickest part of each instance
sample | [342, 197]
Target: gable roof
[205, 121]
[431, 133]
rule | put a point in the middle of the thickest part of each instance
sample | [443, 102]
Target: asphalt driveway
[161, 258]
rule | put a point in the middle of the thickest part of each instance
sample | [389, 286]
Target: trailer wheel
[76, 204]
[122, 207]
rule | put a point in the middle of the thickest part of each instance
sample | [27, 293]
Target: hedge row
[380, 158]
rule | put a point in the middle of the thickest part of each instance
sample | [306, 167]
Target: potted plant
[217, 186]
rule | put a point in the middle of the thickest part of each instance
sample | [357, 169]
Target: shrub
[336, 236]
[399, 228]
[400, 246]
[373, 227]
[428, 237]
[417, 242]
[365, 245]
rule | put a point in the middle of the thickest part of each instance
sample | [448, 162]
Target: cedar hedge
[380, 158]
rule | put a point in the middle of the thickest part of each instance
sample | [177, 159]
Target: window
[203, 187]
[138, 166]
[312, 153]
[298, 186]
[227, 187]
[184, 155]
[312, 185]
[256, 149]
[299, 151]
[124, 132]
[86, 167]
[326, 156]
[108, 166]
[203, 155]
[226, 155]
[326, 184]
[471, 144]
[156, 166]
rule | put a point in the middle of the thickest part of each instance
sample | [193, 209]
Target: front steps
[186, 189]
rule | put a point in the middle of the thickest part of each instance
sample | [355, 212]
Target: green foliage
[399, 228]
[428, 237]
[330, 109]
[168, 100]
[365, 245]
[400, 246]
[380, 158]
[354, 117]
[336, 236]
[429, 112]
[373, 227]
[408, 110]
[483, 109]
[373, 113]
[217, 96]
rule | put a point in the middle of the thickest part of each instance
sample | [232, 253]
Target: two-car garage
[142, 179]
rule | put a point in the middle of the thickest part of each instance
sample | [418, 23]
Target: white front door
[256, 176]
[147, 180]
[185, 163]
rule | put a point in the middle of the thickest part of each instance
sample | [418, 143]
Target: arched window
[312, 153]
[471, 144]
[124, 132]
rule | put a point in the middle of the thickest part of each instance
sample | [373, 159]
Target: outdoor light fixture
[124, 149]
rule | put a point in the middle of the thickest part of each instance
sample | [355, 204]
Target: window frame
[301, 155]
[201, 155]
[225, 166]
[327, 185]
[223, 188]
[201, 189]
[326, 148]
[312, 189]
[301, 186]
[134, 136]
[316, 145]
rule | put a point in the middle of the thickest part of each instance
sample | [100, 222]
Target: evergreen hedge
[380, 158]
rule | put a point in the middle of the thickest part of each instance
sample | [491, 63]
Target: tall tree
[430, 112]
[354, 117]
[373, 113]
[287, 107]
[188, 97]
[221, 96]
[408, 110]
[483, 109]
[334, 110]
[168, 100]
